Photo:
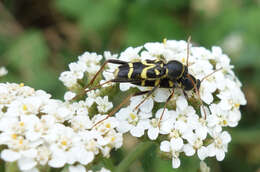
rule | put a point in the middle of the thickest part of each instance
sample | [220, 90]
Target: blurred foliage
[39, 38]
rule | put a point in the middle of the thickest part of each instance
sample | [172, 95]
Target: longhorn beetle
[153, 73]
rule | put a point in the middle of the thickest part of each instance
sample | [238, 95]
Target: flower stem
[139, 150]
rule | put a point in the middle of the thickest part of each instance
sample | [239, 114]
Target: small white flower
[69, 95]
[219, 146]
[169, 147]
[68, 79]
[90, 61]
[103, 104]
[77, 69]
[91, 97]
[133, 121]
[195, 143]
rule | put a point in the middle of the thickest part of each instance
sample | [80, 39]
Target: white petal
[165, 146]
[124, 127]
[9, 155]
[225, 136]
[177, 143]
[202, 153]
[176, 162]
[201, 133]
[147, 106]
[224, 104]
[85, 157]
[31, 153]
[211, 150]
[182, 103]
[124, 86]
[188, 149]
[220, 154]
[137, 131]
[58, 160]
[77, 168]
[161, 95]
[207, 97]
[153, 133]
[26, 163]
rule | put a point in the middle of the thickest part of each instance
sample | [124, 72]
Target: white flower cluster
[188, 131]
[3, 71]
[87, 63]
[37, 130]
[184, 128]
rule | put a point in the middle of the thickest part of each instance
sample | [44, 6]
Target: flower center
[174, 134]
[198, 143]
[133, 118]
[64, 142]
[218, 142]
[154, 123]
[25, 108]
[108, 125]
[14, 136]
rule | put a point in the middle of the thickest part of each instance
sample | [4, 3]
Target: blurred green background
[38, 39]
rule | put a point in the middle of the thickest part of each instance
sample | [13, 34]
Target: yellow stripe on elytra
[171, 84]
[157, 82]
[149, 66]
[144, 72]
[131, 70]
[143, 83]
[116, 72]
[183, 67]
[157, 72]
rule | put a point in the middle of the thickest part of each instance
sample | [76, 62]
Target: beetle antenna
[99, 85]
[188, 50]
[210, 74]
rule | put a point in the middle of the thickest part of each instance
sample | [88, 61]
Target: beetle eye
[187, 84]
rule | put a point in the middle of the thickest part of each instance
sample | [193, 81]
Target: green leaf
[74, 8]
[99, 15]
[151, 24]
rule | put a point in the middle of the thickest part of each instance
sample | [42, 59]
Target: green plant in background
[53, 33]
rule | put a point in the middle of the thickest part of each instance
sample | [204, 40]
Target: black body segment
[151, 73]
[161, 83]
[146, 69]
[175, 69]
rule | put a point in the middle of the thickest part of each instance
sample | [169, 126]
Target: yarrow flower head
[38, 130]
[189, 127]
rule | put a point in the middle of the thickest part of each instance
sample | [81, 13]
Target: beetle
[153, 73]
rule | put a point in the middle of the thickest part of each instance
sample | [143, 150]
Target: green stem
[139, 150]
